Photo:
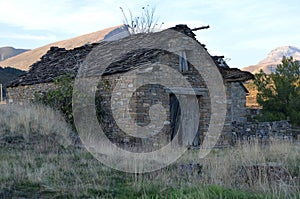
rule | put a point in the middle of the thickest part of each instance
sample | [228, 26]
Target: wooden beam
[200, 28]
[1, 93]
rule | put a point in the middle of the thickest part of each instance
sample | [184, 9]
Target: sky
[243, 31]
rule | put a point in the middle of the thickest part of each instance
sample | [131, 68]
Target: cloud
[58, 15]
[85, 16]
[267, 41]
[28, 37]
[237, 27]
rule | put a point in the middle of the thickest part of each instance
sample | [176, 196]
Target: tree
[145, 22]
[279, 92]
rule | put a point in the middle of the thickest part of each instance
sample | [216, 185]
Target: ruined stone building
[59, 61]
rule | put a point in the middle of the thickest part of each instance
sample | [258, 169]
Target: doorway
[186, 129]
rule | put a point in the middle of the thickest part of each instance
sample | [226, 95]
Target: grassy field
[40, 160]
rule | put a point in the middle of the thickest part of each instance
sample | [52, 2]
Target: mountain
[25, 60]
[9, 74]
[274, 58]
[7, 52]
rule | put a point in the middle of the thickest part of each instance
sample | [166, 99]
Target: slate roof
[59, 61]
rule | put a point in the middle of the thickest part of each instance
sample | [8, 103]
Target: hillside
[251, 97]
[26, 59]
[9, 74]
[7, 52]
[274, 58]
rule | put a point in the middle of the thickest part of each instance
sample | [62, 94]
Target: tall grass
[248, 170]
[29, 121]
[272, 169]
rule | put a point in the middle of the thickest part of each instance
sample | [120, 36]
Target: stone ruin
[59, 61]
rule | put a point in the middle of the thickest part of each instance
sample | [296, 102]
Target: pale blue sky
[243, 31]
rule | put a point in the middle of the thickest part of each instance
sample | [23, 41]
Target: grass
[36, 166]
[29, 121]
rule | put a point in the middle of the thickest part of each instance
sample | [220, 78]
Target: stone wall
[145, 97]
[262, 130]
[26, 93]
[236, 110]
[139, 104]
[238, 104]
[141, 101]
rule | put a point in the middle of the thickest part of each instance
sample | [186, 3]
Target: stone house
[59, 61]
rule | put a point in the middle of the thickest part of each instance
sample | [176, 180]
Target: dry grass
[264, 169]
[243, 171]
[29, 121]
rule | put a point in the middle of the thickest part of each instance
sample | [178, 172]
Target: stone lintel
[188, 91]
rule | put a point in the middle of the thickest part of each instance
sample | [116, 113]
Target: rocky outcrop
[274, 58]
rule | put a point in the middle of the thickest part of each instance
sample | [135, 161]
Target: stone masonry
[59, 61]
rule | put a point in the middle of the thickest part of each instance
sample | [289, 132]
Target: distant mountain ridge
[274, 58]
[9, 74]
[25, 60]
[8, 51]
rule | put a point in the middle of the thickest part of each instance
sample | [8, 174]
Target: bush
[270, 117]
[59, 98]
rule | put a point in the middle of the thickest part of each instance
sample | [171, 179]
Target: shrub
[59, 98]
